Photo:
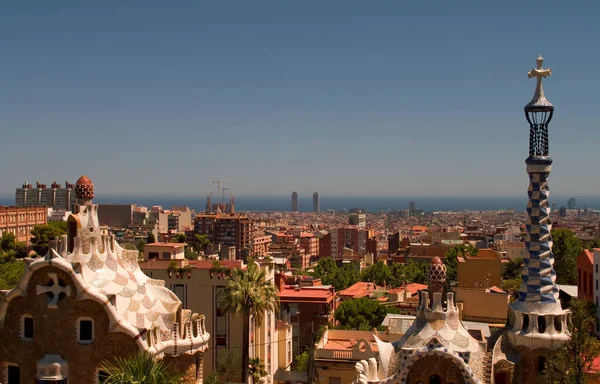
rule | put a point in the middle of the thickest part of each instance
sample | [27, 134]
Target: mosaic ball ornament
[437, 270]
[84, 188]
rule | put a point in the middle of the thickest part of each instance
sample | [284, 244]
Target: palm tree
[257, 370]
[248, 293]
[138, 368]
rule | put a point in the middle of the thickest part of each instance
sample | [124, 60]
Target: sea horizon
[371, 204]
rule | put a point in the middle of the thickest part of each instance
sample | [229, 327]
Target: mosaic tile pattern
[538, 279]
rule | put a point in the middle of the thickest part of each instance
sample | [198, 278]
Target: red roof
[414, 288]
[290, 293]
[358, 290]
[496, 290]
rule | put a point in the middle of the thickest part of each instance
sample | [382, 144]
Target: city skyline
[335, 97]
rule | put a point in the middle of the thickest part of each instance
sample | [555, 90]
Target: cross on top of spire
[539, 101]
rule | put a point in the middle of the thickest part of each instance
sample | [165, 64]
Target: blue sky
[342, 97]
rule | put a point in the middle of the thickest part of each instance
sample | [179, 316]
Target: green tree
[302, 362]
[60, 225]
[257, 370]
[325, 269]
[248, 293]
[178, 238]
[566, 248]
[130, 247]
[200, 242]
[512, 286]
[361, 314]
[10, 273]
[330, 274]
[151, 239]
[574, 362]
[140, 246]
[138, 368]
[589, 245]
[189, 254]
[42, 235]
[378, 273]
[512, 269]
[415, 272]
[8, 241]
[452, 259]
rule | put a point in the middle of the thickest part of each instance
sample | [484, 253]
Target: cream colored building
[198, 283]
[164, 251]
[511, 249]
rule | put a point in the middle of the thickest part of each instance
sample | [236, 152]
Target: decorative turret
[84, 190]
[437, 275]
[538, 313]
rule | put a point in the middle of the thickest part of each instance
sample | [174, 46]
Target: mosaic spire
[538, 277]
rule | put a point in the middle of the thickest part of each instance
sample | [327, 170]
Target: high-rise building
[411, 206]
[55, 197]
[316, 203]
[294, 202]
[358, 219]
[572, 203]
[231, 230]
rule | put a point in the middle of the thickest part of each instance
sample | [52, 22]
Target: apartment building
[232, 230]
[56, 197]
[21, 220]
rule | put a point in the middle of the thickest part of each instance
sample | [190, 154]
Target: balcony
[361, 351]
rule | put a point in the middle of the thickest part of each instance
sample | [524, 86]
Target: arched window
[557, 323]
[435, 379]
[541, 324]
[541, 365]
[525, 322]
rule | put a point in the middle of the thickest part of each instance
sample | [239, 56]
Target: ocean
[370, 204]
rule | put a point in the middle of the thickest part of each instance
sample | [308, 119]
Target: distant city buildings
[294, 202]
[20, 221]
[572, 203]
[55, 197]
[316, 203]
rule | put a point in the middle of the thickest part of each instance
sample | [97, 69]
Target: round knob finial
[437, 275]
[84, 188]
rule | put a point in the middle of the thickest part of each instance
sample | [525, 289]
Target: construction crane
[218, 182]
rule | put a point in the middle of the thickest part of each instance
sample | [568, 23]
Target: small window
[27, 328]
[14, 374]
[85, 332]
[541, 365]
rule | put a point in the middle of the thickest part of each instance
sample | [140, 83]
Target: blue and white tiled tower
[537, 319]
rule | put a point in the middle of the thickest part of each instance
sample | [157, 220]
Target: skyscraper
[572, 203]
[294, 202]
[316, 204]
